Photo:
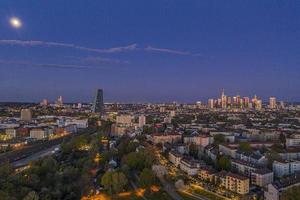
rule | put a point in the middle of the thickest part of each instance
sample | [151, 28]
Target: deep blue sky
[149, 51]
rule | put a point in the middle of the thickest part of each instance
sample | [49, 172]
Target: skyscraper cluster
[225, 102]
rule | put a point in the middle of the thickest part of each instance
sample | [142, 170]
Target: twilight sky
[149, 51]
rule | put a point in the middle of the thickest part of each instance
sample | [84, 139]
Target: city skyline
[147, 100]
[229, 99]
[157, 51]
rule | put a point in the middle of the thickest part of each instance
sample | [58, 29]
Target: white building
[189, 166]
[211, 104]
[243, 167]
[172, 113]
[283, 168]
[38, 133]
[11, 132]
[200, 140]
[142, 121]
[80, 123]
[272, 103]
[175, 158]
[124, 119]
[293, 141]
[166, 137]
[26, 115]
[262, 177]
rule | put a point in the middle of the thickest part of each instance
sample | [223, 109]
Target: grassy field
[207, 194]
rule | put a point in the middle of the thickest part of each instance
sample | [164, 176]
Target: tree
[218, 139]
[134, 161]
[245, 147]
[137, 161]
[223, 163]
[282, 139]
[119, 181]
[292, 193]
[31, 196]
[147, 178]
[114, 182]
[193, 150]
[272, 156]
[107, 182]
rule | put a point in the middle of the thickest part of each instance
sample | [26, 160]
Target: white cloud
[47, 65]
[66, 45]
[165, 50]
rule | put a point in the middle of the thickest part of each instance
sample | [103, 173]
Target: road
[196, 196]
[33, 157]
[16, 155]
[169, 188]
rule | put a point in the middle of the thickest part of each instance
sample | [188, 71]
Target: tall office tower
[238, 101]
[98, 106]
[44, 102]
[59, 101]
[234, 101]
[282, 106]
[254, 100]
[272, 103]
[211, 104]
[142, 121]
[26, 115]
[229, 101]
[258, 105]
[246, 102]
[223, 100]
[219, 102]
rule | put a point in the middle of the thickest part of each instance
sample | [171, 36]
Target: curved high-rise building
[98, 106]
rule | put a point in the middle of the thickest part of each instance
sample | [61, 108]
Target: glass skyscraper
[98, 106]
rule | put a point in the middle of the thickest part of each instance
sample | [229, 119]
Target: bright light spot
[154, 188]
[140, 192]
[15, 22]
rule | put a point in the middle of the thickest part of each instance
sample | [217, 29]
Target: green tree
[272, 156]
[245, 147]
[291, 193]
[223, 163]
[119, 181]
[147, 178]
[218, 139]
[137, 161]
[193, 150]
[114, 182]
[31, 196]
[282, 139]
[5, 170]
[107, 182]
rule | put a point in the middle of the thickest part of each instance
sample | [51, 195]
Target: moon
[15, 22]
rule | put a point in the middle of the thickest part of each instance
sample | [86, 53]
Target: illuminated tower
[98, 106]
[238, 101]
[254, 100]
[59, 101]
[223, 100]
[211, 104]
[272, 103]
[246, 102]
[258, 105]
